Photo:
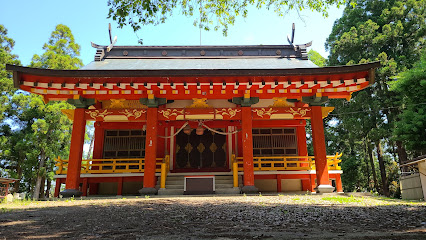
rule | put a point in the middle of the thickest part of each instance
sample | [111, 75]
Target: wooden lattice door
[200, 151]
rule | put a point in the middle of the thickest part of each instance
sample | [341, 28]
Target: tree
[6, 57]
[316, 58]
[34, 133]
[411, 125]
[392, 32]
[211, 13]
[6, 89]
[53, 129]
[61, 51]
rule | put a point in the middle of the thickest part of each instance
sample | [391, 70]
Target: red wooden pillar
[312, 183]
[279, 187]
[339, 187]
[247, 123]
[120, 186]
[318, 140]
[98, 147]
[98, 143]
[76, 152]
[150, 152]
[301, 142]
[57, 187]
[302, 149]
[84, 187]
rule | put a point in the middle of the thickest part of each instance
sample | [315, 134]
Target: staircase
[225, 185]
[175, 184]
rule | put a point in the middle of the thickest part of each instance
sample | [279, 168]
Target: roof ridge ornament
[112, 42]
[100, 50]
[293, 28]
[301, 47]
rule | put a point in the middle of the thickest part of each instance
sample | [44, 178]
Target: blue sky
[30, 23]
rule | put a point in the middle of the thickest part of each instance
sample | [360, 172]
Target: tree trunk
[385, 186]
[373, 168]
[367, 169]
[43, 183]
[89, 152]
[48, 186]
[17, 183]
[39, 176]
[402, 154]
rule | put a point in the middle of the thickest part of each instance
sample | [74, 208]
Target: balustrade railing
[288, 163]
[124, 165]
[137, 165]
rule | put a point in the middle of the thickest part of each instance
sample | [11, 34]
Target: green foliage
[393, 33]
[207, 14]
[316, 58]
[61, 51]
[33, 133]
[6, 57]
[411, 126]
[339, 199]
[6, 89]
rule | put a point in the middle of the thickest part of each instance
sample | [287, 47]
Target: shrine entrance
[205, 152]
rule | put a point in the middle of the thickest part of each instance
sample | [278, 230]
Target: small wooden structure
[413, 179]
[4, 186]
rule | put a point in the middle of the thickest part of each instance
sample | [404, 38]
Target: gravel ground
[216, 217]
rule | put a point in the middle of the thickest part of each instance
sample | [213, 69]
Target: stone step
[227, 177]
[228, 185]
[170, 192]
[174, 186]
[174, 182]
[223, 181]
[228, 190]
[174, 178]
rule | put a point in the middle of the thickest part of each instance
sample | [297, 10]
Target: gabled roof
[217, 72]
[199, 63]
[247, 51]
[199, 57]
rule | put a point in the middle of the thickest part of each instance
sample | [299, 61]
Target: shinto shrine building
[197, 119]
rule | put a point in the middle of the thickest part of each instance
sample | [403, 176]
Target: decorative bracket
[81, 102]
[153, 102]
[315, 100]
[245, 102]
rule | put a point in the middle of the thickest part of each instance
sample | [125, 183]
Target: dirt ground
[215, 217]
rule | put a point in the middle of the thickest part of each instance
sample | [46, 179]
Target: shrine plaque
[204, 184]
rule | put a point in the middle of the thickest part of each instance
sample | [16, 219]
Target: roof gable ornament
[301, 47]
[100, 50]
[293, 28]
[112, 51]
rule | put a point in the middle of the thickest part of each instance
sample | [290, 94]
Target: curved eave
[333, 70]
[333, 82]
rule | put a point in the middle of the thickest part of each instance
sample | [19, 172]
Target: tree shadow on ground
[251, 217]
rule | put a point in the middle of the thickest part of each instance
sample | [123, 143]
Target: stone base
[249, 189]
[234, 190]
[324, 189]
[164, 191]
[148, 191]
[71, 193]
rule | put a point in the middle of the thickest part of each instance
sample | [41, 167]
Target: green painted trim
[82, 102]
[245, 102]
[315, 101]
[153, 103]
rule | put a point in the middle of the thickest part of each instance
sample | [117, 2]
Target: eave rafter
[333, 82]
